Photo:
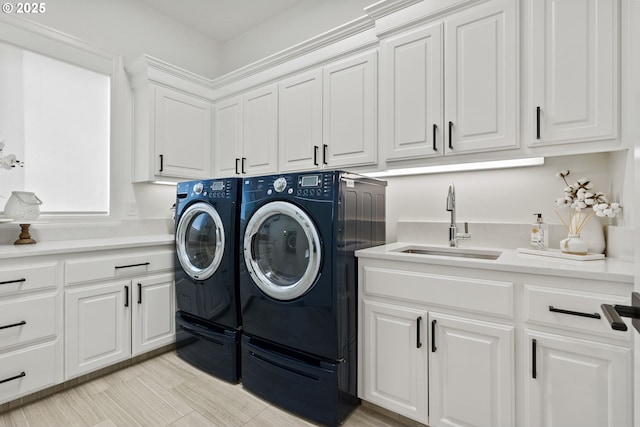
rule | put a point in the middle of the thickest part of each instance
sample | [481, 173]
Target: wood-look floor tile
[276, 417]
[14, 418]
[222, 403]
[364, 417]
[105, 423]
[167, 372]
[144, 404]
[113, 412]
[193, 419]
[78, 408]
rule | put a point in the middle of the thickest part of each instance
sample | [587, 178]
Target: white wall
[302, 22]
[131, 28]
[496, 196]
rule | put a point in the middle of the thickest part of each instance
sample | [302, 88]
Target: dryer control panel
[317, 186]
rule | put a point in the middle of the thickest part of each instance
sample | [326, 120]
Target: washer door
[282, 250]
[200, 240]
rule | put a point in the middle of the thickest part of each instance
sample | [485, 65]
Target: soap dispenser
[539, 233]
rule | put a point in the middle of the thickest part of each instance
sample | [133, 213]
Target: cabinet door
[471, 373]
[228, 137]
[574, 45]
[572, 382]
[97, 327]
[300, 122]
[260, 131]
[349, 112]
[394, 354]
[182, 134]
[153, 323]
[411, 94]
[481, 60]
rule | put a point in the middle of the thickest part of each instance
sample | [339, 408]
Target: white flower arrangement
[8, 161]
[582, 203]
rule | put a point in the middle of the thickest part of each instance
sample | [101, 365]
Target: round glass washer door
[282, 250]
[200, 240]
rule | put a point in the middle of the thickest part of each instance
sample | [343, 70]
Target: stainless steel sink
[452, 252]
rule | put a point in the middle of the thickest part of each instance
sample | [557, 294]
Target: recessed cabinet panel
[228, 137]
[395, 357]
[153, 322]
[471, 373]
[182, 134]
[411, 94]
[27, 319]
[349, 108]
[97, 326]
[574, 71]
[300, 122]
[481, 78]
[572, 382]
[260, 131]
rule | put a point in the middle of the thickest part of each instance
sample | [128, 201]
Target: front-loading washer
[298, 286]
[206, 275]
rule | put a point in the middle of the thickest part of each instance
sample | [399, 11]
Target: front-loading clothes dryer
[298, 286]
[206, 275]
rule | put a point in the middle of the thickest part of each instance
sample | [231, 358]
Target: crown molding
[387, 7]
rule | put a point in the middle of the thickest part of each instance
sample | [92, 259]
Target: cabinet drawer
[477, 295]
[27, 278]
[27, 319]
[570, 309]
[27, 370]
[108, 267]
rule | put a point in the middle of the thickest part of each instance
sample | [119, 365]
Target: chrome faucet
[453, 228]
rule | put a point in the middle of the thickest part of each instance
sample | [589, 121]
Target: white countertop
[83, 245]
[609, 269]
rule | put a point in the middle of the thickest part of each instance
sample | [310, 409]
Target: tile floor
[165, 391]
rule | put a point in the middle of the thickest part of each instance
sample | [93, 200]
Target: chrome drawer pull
[13, 281]
[574, 313]
[14, 325]
[20, 375]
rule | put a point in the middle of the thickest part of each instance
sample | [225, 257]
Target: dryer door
[200, 240]
[282, 250]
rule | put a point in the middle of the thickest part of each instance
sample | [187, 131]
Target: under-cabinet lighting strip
[496, 164]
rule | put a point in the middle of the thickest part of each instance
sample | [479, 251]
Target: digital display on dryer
[310, 181]
[217, 186]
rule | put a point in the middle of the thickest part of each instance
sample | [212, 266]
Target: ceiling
[221, 20]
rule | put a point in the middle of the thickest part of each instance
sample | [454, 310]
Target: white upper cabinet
[349, 112]
[182, 131]
[450, 87]
[260, 131]
[573, 71]
[246, 133]
[172, 122]
[481, 76]
[411, 93]
[327, 116]
[228, 137]
[300, 121]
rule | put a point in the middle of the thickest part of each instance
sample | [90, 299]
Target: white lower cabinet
[449, 346]
[30, 326]
[471, 372]
[395, 356]
[97, 326]
[153, 323]
[576, 383]
[117, 309]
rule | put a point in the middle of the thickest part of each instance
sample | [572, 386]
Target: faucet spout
[453, 228]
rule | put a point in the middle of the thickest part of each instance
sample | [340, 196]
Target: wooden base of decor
[25, 236]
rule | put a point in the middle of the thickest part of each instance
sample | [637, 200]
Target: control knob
[280, 184]
[198, 188]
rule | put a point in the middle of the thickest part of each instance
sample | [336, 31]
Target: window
[55, 117]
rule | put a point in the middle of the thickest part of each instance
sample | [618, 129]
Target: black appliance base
[301, 384]
[213, 349]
